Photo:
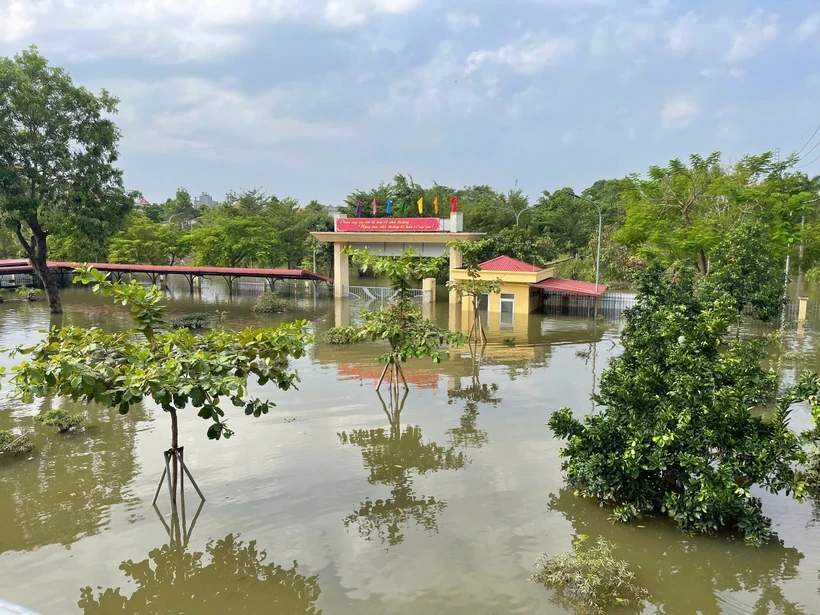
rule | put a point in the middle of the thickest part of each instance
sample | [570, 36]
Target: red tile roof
[572, 287]
[144, 203]
[506, 263]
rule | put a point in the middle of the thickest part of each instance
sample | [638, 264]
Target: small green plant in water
[589, 579]
[268, 303]
[24, 293]
[63, 420]
[509, 341]
[197, 321]
[14, 444]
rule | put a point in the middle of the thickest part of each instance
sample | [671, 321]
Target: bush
[677, 434]
[268, 303]
[590, 579]
[340, 335]
[197, 320]
[509, 341]
[25, 293]
[14, 444]
[61, 419]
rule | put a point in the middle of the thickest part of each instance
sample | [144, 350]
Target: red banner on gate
[387, 225]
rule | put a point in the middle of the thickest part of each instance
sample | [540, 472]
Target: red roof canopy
[571, 287]
[506, 263]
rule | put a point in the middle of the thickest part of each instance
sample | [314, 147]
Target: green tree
[225, 237]
[518, 242]
[180, 210]
[565, 219]
[401, 324]
[474, 287]
[677, 433]
[175, 369]
[58, 146]
[747, 274]
[145, 241]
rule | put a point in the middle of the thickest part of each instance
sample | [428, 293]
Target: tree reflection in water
[686, 574]
[231, 576]
[393, 456]
[467, 434]
[65, 489]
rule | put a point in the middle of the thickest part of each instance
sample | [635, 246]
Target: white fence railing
[378, 293]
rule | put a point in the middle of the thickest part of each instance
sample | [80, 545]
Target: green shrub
[509, 341]
[14, 444]
[677, 434]
[590, 579]
[339, 335]
[268, 303]
[61, 419]
[197, 320]
[24, 293]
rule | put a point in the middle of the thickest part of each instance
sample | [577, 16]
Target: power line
[809, 152]
[811, 137]
[809, 163]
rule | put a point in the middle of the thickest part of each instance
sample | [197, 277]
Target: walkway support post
[802, 309]
[341, 270]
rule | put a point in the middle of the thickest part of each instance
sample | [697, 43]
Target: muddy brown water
[336, 504]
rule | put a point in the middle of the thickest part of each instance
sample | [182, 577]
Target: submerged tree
[58, 146]
[401, 324]
[174, 368]
[677, 434]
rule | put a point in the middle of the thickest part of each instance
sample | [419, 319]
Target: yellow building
[525, 287]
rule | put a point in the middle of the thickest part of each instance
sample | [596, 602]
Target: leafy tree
[401, 324]
[227, 238]
[173, 580]
[174, 369]
[618, 265]
[180, 210]
[154, 212]
[514, 204]
[749, 275]
[671, 208]
[145, 241]
[677, 434]
[58, 146]
[566, 220]
[518, 242]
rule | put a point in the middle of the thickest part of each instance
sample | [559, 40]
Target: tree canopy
[58, 147]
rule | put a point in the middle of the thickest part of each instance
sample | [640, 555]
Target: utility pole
[600, 229]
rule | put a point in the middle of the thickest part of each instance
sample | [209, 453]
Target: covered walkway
[191, 274]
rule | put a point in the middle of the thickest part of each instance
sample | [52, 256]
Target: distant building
[143, 203]
[203, 199]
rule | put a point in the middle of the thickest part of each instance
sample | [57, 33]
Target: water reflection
[467, 434]
[393, 457]
[66, 487]
[230, 576]
[714, 568]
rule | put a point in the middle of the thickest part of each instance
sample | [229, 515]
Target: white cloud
[568, 136]
[678, 112]
[526, 56]
[199, 114]
[808, 27]
[458, 22]
[18, 18]
[717, 72]
[187, 28]
[682, 33]
[756, 31]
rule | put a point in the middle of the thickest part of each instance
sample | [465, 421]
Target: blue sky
[315, 98]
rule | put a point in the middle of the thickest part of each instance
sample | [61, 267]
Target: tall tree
[58, 146]
[145, 241]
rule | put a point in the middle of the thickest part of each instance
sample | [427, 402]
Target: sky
[316, 98]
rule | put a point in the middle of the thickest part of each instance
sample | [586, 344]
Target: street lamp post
[600, 229]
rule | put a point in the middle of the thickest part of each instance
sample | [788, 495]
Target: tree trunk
[704, 264]
[174, 445]
[37, 253]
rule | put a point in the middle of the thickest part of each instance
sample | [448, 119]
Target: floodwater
[337, 504]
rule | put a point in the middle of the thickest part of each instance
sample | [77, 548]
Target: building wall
[524, 301]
